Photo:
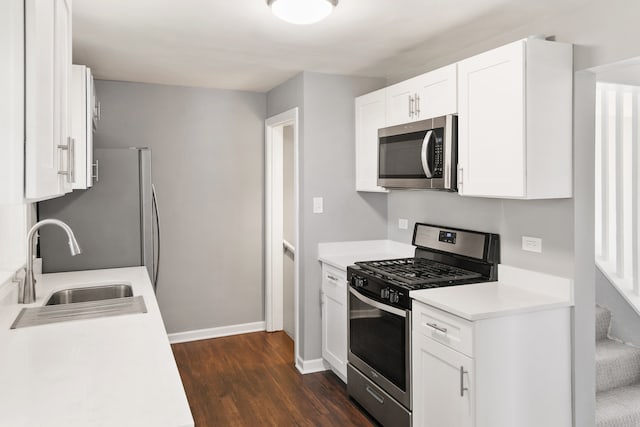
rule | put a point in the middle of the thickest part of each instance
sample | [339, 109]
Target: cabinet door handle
[72, 160]
[462, 387]
[417, 106]
[460, 170]
[437, 328]
[333, 278]
[99, 111]
[373, 394]
[410, 98]
[70, 149]
[96, 176]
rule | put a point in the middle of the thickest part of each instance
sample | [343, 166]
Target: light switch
[318, 205]
[403, 224]
[531, 244]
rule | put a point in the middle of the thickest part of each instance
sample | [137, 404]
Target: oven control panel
[379, 290]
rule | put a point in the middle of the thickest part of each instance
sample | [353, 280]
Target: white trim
[311, 366]
[624, 289]
[223, 331]
[274, 235]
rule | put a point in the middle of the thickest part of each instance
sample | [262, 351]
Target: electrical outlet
[318, 205]
[403, 224]
[532, 244]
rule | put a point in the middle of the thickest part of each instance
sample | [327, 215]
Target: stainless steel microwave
[420, 155]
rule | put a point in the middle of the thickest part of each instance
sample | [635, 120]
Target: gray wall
[625, 322]
[326, 159]
[207, 148]
[510, 218]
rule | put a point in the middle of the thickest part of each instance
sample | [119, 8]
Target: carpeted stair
[617, 378]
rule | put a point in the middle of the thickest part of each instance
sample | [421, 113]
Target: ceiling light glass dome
[302, 12]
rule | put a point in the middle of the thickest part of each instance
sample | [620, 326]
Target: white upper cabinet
[12, 101]
[400, 103]
[429, 95]
[437, 92]
[370, 116]
[49, 148]
[515, 119]
[83, 121]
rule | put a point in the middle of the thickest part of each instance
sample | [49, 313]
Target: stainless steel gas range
[379, 360]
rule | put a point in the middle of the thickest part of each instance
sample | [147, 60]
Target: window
[617, 187]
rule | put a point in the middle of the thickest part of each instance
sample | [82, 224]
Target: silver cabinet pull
[331, 277]
[460, 170]
[410, 106]
[462, 387]
[96, 176]
[99, 111]
[417, 107]
[72, 160]
[71, 152]
[437, 328]
[373, 394]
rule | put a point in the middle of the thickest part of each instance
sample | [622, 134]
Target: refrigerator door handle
[156, 264]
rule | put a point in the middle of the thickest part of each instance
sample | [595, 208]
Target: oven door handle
[378, 305]
[424, 153]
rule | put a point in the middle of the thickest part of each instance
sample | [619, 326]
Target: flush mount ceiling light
[302, 12]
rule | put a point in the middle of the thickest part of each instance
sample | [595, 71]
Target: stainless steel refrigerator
[115, 221]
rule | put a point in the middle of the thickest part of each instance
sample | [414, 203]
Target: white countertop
[112, 371]
[517, 291]
[342, 254]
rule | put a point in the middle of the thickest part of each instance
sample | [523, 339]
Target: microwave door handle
[424, 154]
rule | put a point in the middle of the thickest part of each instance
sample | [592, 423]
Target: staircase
[617, 378]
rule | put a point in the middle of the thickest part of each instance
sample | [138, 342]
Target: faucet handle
[19, 278]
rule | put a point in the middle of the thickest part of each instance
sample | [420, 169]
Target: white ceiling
[239, 44]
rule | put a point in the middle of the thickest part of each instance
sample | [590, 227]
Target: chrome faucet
[28, 294]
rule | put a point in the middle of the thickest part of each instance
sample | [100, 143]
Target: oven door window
[401, 156]
[379, 339]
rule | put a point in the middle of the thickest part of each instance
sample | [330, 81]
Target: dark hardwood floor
[250, 380]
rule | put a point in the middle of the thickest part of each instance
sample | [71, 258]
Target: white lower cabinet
[446, 394]
[507, 371]
[334, 319]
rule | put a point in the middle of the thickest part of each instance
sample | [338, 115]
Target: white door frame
[273, 222]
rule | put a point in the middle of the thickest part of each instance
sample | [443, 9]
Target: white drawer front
[443, 327]
[334, 282]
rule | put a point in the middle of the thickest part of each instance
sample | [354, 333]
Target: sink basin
[96, 293]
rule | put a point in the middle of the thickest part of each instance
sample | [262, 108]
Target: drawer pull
[462, 387]
[334, 278]
[373, 394]
[437, 328]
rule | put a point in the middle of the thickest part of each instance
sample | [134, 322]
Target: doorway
[281, 224]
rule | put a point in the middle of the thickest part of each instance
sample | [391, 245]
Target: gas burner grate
[418, 271]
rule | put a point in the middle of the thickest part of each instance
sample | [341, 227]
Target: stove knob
[394, 297]
[359, 282]
[384, 293]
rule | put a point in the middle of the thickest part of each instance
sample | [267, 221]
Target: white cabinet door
[334, 320]
[82, 125]
[491, 123]
[437, 93]
[370, 116]
[443, 385]
[11, 101]
[47, 79]
[400, 104]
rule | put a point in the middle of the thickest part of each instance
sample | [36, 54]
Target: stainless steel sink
[96, 293]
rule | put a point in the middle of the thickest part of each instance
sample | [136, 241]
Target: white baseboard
[223, 331]
[311, 366]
